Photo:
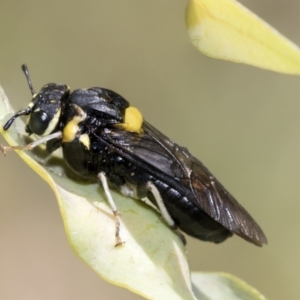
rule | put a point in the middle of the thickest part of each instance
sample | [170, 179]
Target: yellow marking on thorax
[133, 120]
[53, 123]
[85, 140]
[71, 129]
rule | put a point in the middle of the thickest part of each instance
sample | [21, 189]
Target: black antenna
[25, 112]
[26, 72]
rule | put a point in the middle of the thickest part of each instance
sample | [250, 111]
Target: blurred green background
[242, 122]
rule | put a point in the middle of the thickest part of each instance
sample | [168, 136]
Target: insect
[105, 138]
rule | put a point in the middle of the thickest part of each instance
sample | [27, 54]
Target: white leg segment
[103, 179]
[32, 145]
[163, 210]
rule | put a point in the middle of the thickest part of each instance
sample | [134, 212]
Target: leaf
[227, 30]
[222, 286]
[152, 262]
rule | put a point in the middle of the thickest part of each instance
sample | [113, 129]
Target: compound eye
[39, 122]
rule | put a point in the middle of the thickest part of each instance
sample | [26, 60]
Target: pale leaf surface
[223, 286]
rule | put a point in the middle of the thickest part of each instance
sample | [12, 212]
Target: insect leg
[5, 149]
[163, 210]
[103, 179]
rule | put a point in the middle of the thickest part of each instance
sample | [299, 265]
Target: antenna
[26, 72]
[25, 112]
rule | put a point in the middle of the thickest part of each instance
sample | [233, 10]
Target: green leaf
[152, 262]
[222, 286]
[227, 30]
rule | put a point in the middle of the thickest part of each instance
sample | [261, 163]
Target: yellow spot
[85, 140]
[133, 120]
[71, 129]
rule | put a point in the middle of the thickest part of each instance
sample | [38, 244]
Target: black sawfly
[103, 137]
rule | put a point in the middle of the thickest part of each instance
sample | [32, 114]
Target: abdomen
[189, 218]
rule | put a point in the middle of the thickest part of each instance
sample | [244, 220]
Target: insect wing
[174, 165]
[218, 203]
